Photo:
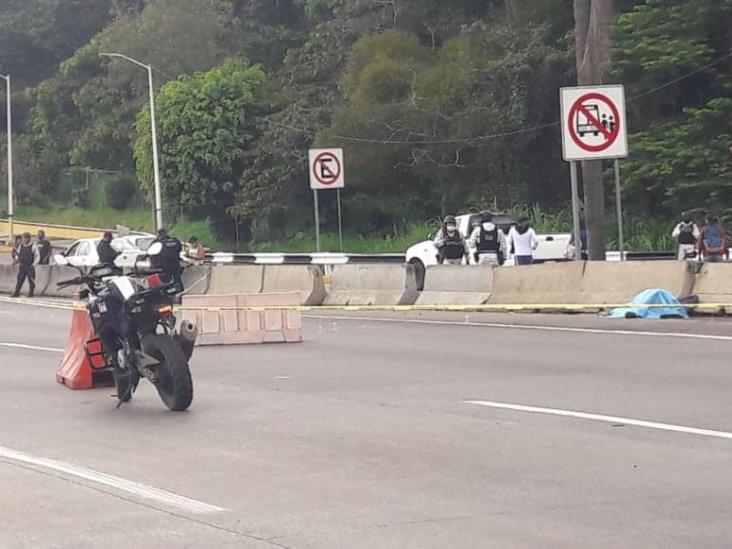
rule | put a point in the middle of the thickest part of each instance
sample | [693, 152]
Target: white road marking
[31, 347]
[116, 483]
[675, 335]
[606, 419]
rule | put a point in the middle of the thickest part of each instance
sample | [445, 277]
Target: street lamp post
[11, 206]
[156, 162]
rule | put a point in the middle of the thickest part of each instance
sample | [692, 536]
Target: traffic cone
[83, 359]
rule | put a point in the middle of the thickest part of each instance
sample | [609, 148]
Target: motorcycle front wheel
[174, 383]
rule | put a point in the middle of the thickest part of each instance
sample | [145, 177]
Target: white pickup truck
[552, 247]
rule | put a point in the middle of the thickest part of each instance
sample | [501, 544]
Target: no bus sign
[326, 169]
[594, 125]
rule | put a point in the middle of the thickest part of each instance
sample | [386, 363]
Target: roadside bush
[119, 192]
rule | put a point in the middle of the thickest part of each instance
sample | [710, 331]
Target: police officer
[27, 257]
[450, 243]
[168, 260]
[44, 248]
[106, 252]
[487, 238]
[687, 235]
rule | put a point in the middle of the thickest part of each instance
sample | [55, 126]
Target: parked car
[552, 247]
[83, 253]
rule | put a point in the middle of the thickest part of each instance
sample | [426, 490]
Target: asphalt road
[366, 435]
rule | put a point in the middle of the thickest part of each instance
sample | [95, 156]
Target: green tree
[89, 107]
[206, 129]
[674, 58]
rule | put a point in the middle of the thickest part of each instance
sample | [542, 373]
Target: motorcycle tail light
[154, 280]
[165, 310]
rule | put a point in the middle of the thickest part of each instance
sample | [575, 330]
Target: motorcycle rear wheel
[174, 383]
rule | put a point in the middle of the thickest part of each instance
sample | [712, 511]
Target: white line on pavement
[606, 419]
[116, 483]
[31, 347]
[675, 335]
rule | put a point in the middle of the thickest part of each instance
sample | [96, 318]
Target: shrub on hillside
[119, 192]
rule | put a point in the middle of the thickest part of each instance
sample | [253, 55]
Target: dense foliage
[440, 106]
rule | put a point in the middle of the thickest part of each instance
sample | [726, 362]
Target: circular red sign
[327, 168]
[596, 126]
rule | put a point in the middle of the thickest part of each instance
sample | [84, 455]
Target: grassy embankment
[641, 233]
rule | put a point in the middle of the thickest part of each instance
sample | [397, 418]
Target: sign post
[326, 172]
[619, 207]
[317, 220]
[594, 127]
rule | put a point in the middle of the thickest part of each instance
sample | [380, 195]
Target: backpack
[713, 240]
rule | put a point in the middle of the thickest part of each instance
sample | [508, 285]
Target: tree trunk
[593, 41]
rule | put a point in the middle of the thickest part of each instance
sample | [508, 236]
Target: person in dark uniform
[168, 260]
[27, 257]
[44, 248]
[106, 252]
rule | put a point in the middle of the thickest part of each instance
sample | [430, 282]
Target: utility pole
[593, 19]
[11, 200]
[156, 162]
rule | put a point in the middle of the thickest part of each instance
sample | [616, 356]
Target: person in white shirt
[524, 241]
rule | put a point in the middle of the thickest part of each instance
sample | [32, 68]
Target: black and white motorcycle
[133, 317]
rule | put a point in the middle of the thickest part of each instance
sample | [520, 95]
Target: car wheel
[419, 271]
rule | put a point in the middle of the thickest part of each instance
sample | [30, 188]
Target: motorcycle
[140, 336]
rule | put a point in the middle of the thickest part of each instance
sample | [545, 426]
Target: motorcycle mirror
[155, 248]
[60, 259]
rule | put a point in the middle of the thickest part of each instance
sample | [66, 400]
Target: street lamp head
[126, 58]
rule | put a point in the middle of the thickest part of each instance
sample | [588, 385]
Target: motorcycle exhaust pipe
[186, 336]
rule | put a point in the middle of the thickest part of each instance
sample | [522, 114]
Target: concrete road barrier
[373, 285]
[589, 283]
[307, 280]
[196, 279]
[457, 285]
[232, 327]
[607, 282]
[57, 274]
[236, 279]
[8, 277]
[714, 283]
[548, 283]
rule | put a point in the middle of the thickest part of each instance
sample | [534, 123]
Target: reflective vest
[489, 241]
[454, 245]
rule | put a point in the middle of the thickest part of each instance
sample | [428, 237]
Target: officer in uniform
[27, 257]
[450, 243]
[168, 260]
[488, 238]
[107, 254]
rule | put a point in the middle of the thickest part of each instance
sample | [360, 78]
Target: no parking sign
[594, 125]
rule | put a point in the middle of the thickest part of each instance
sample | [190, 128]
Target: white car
[552, 247]
[83, 253]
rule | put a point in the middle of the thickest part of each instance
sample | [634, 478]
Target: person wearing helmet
[687, 235]
[450, 243]
[487, 243]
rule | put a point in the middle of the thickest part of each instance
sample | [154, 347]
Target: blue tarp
[652, 297]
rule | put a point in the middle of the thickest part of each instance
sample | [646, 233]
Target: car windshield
[144, 243]
[122, 245]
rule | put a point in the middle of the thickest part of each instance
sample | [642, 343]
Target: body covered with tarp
[654, 304]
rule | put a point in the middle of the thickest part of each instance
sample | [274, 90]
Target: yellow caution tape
[516, 307]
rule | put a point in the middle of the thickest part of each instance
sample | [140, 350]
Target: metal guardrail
[304, 259]
[342, 259]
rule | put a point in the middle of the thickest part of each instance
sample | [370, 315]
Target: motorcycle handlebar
[71, 282]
